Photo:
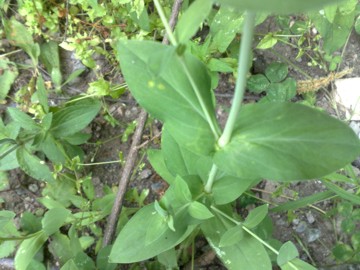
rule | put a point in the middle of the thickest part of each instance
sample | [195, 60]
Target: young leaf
[135, 231]
[287, 141]
[33, 166]
[232, 236]
[277, 6]
[199, 211]
[170, 96]
[54, 219]
[247, 254]
[28, 249]
[287, 252]
[229, 188]
[256, 216]
[24, 120]
[267, 42]
[50, 57]
[190, 21]
[74, 117]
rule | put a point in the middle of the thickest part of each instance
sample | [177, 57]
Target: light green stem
[244, 60]
[165, 23]
[100, 163]
[211, 179]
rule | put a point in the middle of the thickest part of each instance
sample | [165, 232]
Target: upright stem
[245, 49]
[211, 179]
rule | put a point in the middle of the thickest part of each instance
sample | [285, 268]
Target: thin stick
[131, 158]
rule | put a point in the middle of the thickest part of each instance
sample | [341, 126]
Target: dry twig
[131, 158]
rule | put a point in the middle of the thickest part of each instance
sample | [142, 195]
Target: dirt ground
[310, 230]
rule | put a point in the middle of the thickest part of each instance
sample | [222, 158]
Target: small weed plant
[207, 167]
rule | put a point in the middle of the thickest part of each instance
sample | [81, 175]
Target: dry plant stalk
[316, 84]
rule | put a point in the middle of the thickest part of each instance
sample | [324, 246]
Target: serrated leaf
[199, 211]
[258, 83]
[28, 249]
[170, 96]
[278, 6]
[54, 219]
[33, 166]
[232, 236]
[74, 117]
[24, 120]
[256, 216]
[135, 231]
[191, 19]
[277, 141]
[8, 75]
[276, 72]
[287, 252]
[17, 35]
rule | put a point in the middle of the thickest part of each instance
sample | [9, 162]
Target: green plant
[207, 168]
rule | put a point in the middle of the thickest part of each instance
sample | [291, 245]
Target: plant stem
[244, 52]
[169, 32]
[100, 163]
[211, 179]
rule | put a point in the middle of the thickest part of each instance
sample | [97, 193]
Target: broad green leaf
[30, 223]
[181, 191]
[135, 231]
[336, 33]
[330, 12]
[191, 19]
[297, 264]
[157, 161]
[50, 203]
[74, 117]
[9, 161]
[17, 35]
[7, 224]
[267, 42]
[24, 120]
[86, 241]
[169, 95]
[83, 261]
[232, 236]
[54, 219]
[50, 57]
[8, 75]
[342, 193]
[88, 188]
[229, 188]
[28, 249]
[178, 160]
[60, 248]
[169, 259]
[287, 252]
[276, 72]
[247, 254]
[258, 83]
[7, 248]
[277, 6]
[102, 259]
[77, 138]
[70, 265]
[53, 149]
[199, 211]
[287, 141]
[33, 166]
[280, 92]
[256, 216]
[355, 241]
[342, 252]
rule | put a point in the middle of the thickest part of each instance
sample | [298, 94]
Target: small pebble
[301, 227]
[33, 188]
[145, 174]
[310, 218]
[313, 234]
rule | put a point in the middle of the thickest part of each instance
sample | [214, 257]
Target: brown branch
[131, 158]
